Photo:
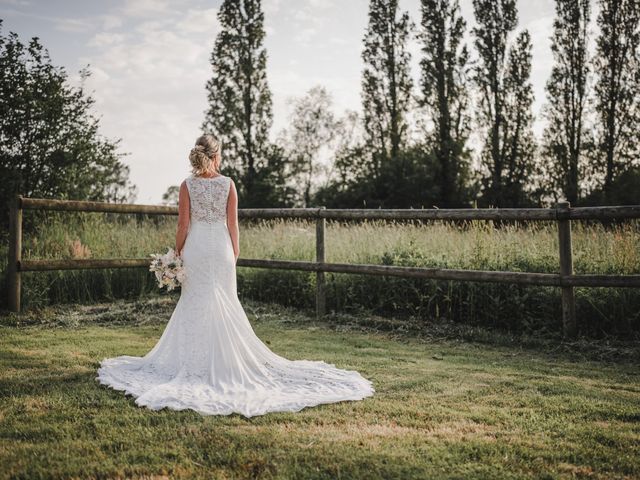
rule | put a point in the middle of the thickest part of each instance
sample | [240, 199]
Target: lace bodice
[208, 198]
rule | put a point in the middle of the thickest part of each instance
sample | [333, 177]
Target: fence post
[321, 298]
[569, 328]
[15, 254]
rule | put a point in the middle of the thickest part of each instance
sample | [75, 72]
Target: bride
[208, 358]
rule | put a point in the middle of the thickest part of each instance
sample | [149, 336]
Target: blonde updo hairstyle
[205, 156]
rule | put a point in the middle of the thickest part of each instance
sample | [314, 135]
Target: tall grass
[532, 247]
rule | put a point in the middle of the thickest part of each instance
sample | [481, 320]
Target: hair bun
[202, 155]
[198, 149]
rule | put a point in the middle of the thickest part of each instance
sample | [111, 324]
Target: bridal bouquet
[168, 269]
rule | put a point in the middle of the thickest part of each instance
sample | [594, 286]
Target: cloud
[69, 24]
[304, 35]
[321, 4]
[104, 39]
[310, 18]
[110, 22]
[85, 24]
[15, 3]
[200, 21]
[149, 86]
[145, 8]
[74, 25]
[271, 7]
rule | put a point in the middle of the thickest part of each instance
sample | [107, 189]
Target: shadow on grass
[41, 384]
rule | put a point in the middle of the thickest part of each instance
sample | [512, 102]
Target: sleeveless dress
[208, 358]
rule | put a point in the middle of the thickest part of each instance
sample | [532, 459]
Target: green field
[472, 245]
[443, 408]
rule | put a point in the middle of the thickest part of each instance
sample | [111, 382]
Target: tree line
[463, 135]
[460, 136]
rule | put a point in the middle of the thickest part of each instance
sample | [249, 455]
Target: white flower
[168, 269]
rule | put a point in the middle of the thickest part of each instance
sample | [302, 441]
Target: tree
[349, 149]
[415, 189]
[565, 140]
[170, 197]
[444, 89]
[270, 188]
[50, 145]
[625, 189]
[240, 106]
[518, 142]
[617, 90]
[386, 84]
[312, 127]
[503, 83]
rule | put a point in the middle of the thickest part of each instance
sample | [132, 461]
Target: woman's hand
[236, 255]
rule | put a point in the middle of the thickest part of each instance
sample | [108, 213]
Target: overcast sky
[150, 63]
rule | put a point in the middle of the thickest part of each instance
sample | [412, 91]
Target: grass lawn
[443, 408]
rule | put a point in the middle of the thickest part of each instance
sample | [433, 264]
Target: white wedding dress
[208, 358]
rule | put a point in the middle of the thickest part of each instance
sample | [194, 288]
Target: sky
[150, 62]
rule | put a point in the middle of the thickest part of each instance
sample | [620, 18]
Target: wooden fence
[562, 213]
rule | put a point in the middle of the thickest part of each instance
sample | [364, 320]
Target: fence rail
[562, 213]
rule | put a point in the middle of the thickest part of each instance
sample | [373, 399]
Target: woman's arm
[232, 219]
[183, 217]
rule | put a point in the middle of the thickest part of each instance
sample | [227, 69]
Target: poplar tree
[565, 140]
[240, 105]
[617, 63]
[386, 83]
[518, 142]
[502, 78]
[444, 89]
